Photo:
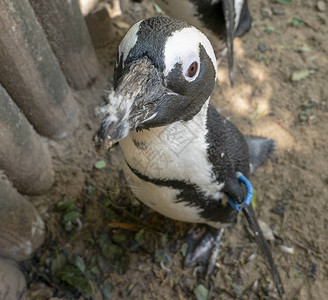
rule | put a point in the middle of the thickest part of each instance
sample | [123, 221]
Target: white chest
[174, 152]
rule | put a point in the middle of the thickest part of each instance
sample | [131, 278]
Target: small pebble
[251, 257]
[266, 12]
[289, 250]
[278, 11]
[279, 209]
[266, 230]
[321, 5]
[312, 272]
[262, 47]
[121, 24]
[325, 224]
[255, 286]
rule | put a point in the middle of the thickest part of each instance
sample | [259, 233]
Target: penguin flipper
[228, 149]
[245, 21]
[260, 150]
[235, 30]
[228, 11]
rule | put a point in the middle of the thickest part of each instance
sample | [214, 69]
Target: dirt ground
[103, 244]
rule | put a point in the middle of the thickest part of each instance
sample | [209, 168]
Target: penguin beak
[134, 102]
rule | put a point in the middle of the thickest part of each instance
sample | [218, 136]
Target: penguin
[181, 156]
[223, 19]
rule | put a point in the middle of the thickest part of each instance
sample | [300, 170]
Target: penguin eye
[192, 69]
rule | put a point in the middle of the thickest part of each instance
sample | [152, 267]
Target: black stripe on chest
[191, 195]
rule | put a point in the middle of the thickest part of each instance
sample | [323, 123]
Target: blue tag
[249, 195]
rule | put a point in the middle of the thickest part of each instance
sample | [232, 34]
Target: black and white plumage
[223, 19]
[181, 156]
[210, 14]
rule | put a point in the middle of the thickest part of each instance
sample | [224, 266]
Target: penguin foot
[260, 150]
[203, 247]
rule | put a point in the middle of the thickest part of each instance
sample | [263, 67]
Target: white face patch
[128, 42]
[183, 47]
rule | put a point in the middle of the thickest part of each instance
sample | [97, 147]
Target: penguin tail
[260, 150]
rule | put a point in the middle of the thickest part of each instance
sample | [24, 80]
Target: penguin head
[165, 71]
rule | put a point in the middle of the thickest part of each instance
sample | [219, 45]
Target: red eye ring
[192, 70]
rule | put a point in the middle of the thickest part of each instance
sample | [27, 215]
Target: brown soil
[130, 252]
